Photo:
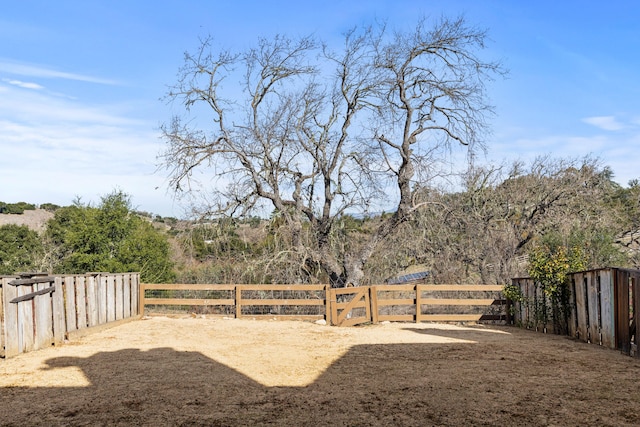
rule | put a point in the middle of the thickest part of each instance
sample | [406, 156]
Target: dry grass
[34, 219]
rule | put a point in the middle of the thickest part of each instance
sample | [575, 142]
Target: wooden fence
[602, 307]
[39, 310]
[342, 306]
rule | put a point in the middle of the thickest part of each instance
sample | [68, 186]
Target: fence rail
[38, 310]
[343, 306]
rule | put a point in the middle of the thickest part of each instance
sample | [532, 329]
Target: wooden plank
[31, 281]
[448, 288]
[636, 309]
[278, 287]
[111, 298]
[623, 339]
[81, 302]
[367, 307]
[32, 295]
[136, 295]
[59, 323]
[101, 281]
[572, 326]
[581, 307]
[43, 316]
[187, 287]
[418, 315]
[373, 297]
[594, 306]
[607, 301]
[255, 301]
[188, 301]
[70, 303]
[139, 295]
[327, 304]
[1, 321]
[126, 298]
[119, 297]
[395, 288]
[334, 307]
[26, 326]
[238, 301]
[458, 301]
[92, 301]
[11, 334]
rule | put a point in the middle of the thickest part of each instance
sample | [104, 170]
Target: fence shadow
[466, 333]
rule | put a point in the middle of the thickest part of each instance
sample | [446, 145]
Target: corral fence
[601, 309]
[38, 310]
[338, 306]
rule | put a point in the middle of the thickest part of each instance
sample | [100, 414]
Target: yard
[226, 372]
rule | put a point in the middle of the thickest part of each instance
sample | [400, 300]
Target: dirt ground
[227, 372]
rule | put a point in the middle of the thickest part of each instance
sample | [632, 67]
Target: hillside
[34, 219]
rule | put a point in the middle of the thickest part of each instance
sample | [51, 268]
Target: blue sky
[81, 82]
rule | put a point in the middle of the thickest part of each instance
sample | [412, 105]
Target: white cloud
[25, 85]
[54, 149]
[21, 69]
[604, 122]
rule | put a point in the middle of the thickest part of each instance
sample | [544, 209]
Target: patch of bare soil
[34, 219]
[216, 372]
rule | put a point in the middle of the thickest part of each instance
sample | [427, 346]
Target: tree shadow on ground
[390, 384]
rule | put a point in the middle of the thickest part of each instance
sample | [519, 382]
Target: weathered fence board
[70, 303]
[11, 325]
[92, 301]
[126, 298]
[81, 301]
[101, 282]
[57, 308]
[25, 320]
[44, 318]
[602, 306]
[119, 304]
[40, 311]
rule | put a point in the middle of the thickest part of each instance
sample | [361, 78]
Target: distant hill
[34, 219]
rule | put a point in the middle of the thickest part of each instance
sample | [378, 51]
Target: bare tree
[318, 133]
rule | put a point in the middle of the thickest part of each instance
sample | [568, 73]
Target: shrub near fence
[38, 310]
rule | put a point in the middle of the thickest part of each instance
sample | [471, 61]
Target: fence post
[418, 303]
[373, 290]
[327, 304]
[141, 288]
[1, 321]
[238, 301]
